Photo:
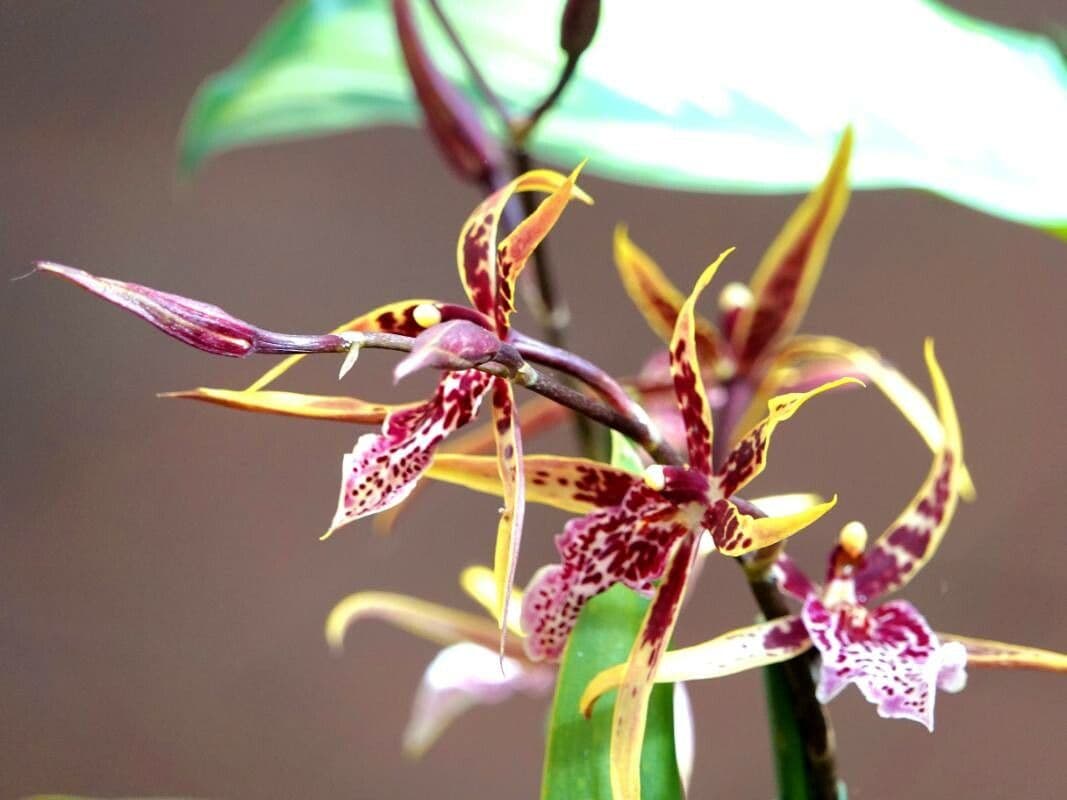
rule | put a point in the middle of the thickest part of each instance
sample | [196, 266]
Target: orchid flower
[754, 353]
[383, 468]
[643, 531]
[888, 651]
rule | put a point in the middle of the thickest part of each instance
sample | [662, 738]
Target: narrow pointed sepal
[785, 279]
[1002, 655]
[509, 529]
[480, 584]
[686, 373]
[736, 533]
[739, 650]
[914, 537]
[293, 404]
[659, 300]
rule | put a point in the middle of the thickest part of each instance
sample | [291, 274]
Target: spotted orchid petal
[775, 505]
[536, 415]
[517, 247]
[631, 703]
[688, 383]
[786, 277]
[479, 583]
[476, 252]
[1001, 655]
[890, 654]
[398, 317]
[383, 468]
[659, 300]
[430, 621]
[512, 477]
[749, 456]
[578, 485]
[464, 676]
[293, 404]
[736, 533]
[804, 357]
[913, 538]
[791, 579]
[739, 650]
[627, 543]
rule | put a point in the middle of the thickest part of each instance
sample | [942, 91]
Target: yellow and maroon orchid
[889, 652]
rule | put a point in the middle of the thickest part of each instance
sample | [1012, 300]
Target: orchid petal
[791, 579]
[509, 529]
[535, 416]
[430, 621]
[578, 485]
[518, 246]
[1001, 655]
[659, 300]
[890, 654]
[383, 468]
[627, 543]
[476, 249]
[913, 538]
[462, 677]
[480, 583]
[749, 456]
[786, 277]
[396, 317]
[803, 355]
[735, 533]
[631, 703]
[292, 404]
[737, 651]
[688, 383]
[684, 734]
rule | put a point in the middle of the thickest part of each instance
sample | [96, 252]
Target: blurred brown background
[162, 591]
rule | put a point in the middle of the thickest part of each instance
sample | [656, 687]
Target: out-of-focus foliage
[720, 95]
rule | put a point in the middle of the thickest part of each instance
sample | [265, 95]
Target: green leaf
[577, 754]
[713, 96]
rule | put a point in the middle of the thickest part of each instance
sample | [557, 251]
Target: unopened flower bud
[578, 25]
[201, 325]
[458, 344]
[452, 121]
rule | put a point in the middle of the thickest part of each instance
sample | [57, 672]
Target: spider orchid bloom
[888, 651]
[468, 671]
[754, 352]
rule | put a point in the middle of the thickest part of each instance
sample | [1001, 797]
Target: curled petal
[383, 468]
[749, 456]
[688, 383]
[786, 277]
[462, 677]
[659, 300]
[739, 650]
[578, 485]
[476, 249]
[292, 404]
[197, 324]
[628, 543]
[905, 547]
[735, 533]
[396, 317]
[510, 466]
[480, 583]
[430, 621]
[889, 653]
[803, 358]
[518, 246]
[631, 704]
[1001, 655]
[457, 344]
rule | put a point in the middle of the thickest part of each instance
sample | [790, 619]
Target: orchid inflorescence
[703, 413]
